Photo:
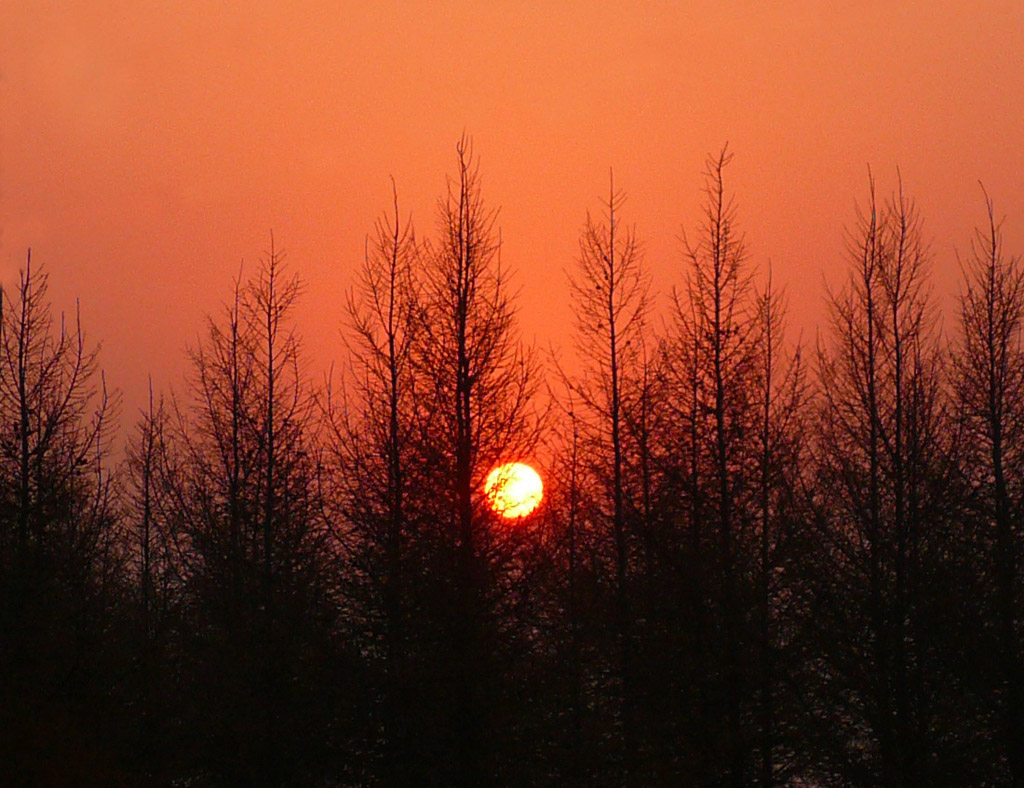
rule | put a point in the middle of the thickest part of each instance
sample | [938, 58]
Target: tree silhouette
[154, 585]
[243, 480]
[989, 386]
[890, 491]
[721, 370]
[376, 450]
[744, 571]
[58, 563]
[609, 288]
[482, 383]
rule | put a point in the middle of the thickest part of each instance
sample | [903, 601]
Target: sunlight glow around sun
[513, 489]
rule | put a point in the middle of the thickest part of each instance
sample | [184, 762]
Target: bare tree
[989, 385]
[884, 456]
[609, 289]
[721, 318]
[685, 548]
[252, 540]
[58, 562]
[146, 526]
[482, 382]
[154, 586]
[376, 449]
[781, 457]
[57, 421]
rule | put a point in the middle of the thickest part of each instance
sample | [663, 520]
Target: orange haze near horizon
[147, 149]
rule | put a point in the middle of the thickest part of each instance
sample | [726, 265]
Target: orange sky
[147, 147]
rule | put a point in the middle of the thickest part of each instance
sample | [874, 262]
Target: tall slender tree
[482, 382]
[377, 455]
[884, 455]
[780, 551]
[989, 385]
[57, 527]
[610, 299]
[255, 564]
[721, 318]
[154, 589]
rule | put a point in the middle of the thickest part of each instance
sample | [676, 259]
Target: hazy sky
[147, 148]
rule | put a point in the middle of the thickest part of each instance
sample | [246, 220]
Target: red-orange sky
[146, 147]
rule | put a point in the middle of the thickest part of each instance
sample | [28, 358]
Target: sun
[513, 489]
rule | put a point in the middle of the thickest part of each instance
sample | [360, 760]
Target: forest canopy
[757, 561]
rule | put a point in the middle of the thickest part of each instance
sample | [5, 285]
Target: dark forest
[758, 561]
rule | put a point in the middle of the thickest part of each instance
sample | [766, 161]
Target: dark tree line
[757, 562]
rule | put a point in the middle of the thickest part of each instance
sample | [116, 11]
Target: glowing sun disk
[513, 489]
